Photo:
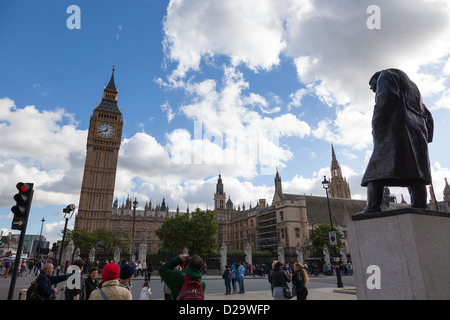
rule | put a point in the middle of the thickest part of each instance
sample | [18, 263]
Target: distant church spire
[278, 188]
[339, 187]
[219, 185]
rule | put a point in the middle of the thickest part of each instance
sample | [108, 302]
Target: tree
[321, 237]
[81, 239]
[196, 233]
[106, 240]
[110, 240]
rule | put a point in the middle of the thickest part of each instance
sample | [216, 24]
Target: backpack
[32, 291]
[191, 290]
[225, 274]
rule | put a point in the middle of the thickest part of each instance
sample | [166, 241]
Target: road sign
[333, 238]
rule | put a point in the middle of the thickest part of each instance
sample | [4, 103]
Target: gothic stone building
[288, 220]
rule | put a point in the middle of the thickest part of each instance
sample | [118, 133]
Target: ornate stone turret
[447, 196]
[219, 196]
[339, 187]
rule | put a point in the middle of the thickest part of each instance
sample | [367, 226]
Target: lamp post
[40, 237]
[135, 203]
[312, 236]
[68, 212]
[326, 186]
[315, 267]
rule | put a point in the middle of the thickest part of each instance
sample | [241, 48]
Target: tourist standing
[278, 279]
[91, 283]
[145, 291]
[110, 288]
[227, 277]
[240, 277]
[299, 280]
[45, 281]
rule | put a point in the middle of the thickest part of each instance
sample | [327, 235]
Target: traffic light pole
[16, 263]
[19, 253]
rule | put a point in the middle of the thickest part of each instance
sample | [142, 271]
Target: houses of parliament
[287, 220]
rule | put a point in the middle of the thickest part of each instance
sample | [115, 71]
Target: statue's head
[373, 81]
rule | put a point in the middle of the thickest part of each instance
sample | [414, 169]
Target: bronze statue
[402, 127]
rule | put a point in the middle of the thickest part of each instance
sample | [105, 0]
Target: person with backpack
[45, 280]
[186, 284]
[227, 277]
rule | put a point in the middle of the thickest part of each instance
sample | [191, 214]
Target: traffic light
[55, 247]
[23, 203]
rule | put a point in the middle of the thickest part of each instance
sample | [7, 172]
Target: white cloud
[443, 102]
[334, 52]
[248, 32]
[296, 98]
[43, 147]
[227, 113]
[168, 110]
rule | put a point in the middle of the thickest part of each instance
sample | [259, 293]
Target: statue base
[401, 254]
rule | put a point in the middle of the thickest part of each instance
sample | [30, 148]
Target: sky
[237, 88]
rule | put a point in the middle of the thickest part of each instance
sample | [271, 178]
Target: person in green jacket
[175, 279]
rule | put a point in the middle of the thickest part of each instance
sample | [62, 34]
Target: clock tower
[102, 150]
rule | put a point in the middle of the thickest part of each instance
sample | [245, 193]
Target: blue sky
[294, 69]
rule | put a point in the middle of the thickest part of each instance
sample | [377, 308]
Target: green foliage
[102, 239]
[321, 238]
[195, 233]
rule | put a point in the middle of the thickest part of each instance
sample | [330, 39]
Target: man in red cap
[110, 288]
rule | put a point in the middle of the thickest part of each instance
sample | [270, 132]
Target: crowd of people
[27, 267]
[279, 277]
[108, 280]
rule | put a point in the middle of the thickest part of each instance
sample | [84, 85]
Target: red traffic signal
[23, 203]
[23, 187]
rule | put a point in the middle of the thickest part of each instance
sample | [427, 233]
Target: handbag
[287, 292]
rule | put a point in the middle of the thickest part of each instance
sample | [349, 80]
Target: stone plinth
[410, 249]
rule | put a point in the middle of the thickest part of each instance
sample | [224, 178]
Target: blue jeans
[241, 285]
[227, 285]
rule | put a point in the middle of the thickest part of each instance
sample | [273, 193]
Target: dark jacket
[71, 293]
[175, 279]
[278, 278]
[90, 286]
[45, 283]
[402, 127]
[297, 281]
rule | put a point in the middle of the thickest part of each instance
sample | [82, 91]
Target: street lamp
[68, 212]
[326, 186]
[312, 236]
[135, 203]
[40, 237]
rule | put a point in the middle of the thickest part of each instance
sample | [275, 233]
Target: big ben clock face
[105, 130]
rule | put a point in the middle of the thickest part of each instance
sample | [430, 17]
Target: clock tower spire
[102, 150]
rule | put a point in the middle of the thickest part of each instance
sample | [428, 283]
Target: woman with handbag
[299, 281]
[278, 279]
